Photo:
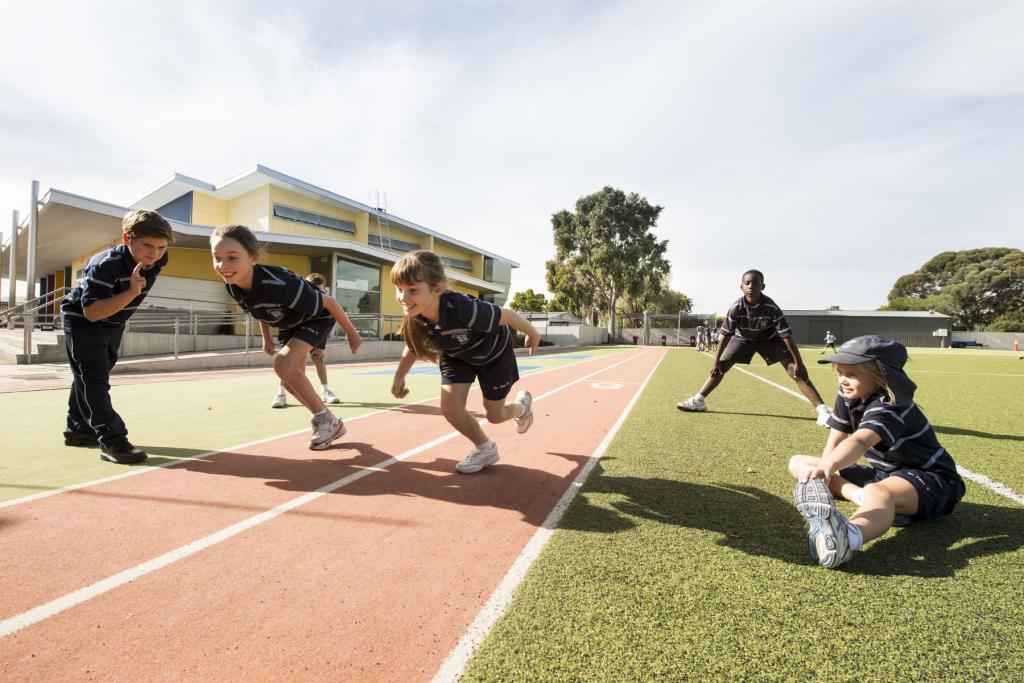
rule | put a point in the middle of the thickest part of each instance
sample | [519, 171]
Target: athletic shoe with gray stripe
[828, 542]
[523, 422]
[326, 428]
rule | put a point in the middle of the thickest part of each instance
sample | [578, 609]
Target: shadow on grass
[756, 522]
[981, 435]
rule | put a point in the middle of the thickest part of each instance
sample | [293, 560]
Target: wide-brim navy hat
[890, 357]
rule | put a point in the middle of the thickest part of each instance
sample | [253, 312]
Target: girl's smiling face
[856, 381]
[232, 262]
[419, 298]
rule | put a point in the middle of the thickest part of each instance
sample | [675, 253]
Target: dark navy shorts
[936, 495]
[741, 351]
[496, 378]
[313, 332]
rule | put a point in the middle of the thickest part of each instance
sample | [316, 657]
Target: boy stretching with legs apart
[755, 324]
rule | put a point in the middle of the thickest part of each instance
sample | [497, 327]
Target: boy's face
[751, 286]
[146, 250]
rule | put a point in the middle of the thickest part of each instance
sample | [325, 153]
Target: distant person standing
[830, 343]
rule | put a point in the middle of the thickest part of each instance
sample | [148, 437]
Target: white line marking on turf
[66, 602]
[992, 485]
[150, 468]
[455, 663]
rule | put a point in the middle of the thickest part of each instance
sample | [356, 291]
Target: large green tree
[978, 287]
[606, 251]
[529, 300]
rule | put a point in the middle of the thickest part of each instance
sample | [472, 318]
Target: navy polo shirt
[756, 322]
[469, 329]
[108, 274]
[280, 298]
[907, 438]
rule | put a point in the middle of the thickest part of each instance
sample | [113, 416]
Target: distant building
[910, 328]
[304, 227]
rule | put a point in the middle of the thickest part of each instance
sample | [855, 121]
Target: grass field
[684, 559]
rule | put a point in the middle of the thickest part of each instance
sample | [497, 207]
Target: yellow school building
[304, 228]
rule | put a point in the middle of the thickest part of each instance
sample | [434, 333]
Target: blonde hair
[317, 279]
[419, 267]
[874, 372]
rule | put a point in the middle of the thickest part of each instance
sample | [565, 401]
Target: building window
[357, 287]
[290, 213]
[457, 263]
[400, 245]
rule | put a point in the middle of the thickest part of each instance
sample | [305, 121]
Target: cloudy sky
[833, 145]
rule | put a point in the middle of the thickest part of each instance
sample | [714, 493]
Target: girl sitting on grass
[470, 339]
[909, 476]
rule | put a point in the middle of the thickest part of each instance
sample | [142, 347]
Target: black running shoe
[87, 439]
[122, 452]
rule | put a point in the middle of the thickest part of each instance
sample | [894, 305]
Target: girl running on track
[470, 339]
[302, 313]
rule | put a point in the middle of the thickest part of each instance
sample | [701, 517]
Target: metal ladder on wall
[383, 229]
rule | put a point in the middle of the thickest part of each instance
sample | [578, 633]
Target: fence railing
[187, 320]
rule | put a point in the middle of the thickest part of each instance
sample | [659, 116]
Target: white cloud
[836, 146]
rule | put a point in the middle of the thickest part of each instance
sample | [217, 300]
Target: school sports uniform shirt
[108, 274]
[758, 322]
[469, 329]
[280, 298]
[907, 438]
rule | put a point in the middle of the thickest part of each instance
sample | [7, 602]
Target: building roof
[71, 225]
[833, 313]
[258, 176]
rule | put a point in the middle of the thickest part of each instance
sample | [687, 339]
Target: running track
[367, 572]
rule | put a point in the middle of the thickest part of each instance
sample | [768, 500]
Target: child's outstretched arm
[398, 388]
[335, 309]
[521, 324]
[842, 451]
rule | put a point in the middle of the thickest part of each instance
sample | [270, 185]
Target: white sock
[856, 539]
[322, 413]
[280, 391]
[698, 397]
[325, 387]
[821, 408]
[486, 445]
[858, 497]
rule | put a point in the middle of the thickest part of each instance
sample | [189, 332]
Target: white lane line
[66, 602]
[150, 468]
[992, 485]
[455, 663]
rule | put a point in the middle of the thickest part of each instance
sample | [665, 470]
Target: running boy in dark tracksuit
[93, 315]
[756, 324]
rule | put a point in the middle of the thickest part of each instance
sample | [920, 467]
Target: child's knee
[496, 414]
[875, 495]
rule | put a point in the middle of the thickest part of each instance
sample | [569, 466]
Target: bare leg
[290, 366]
[499, 411]
[453, 407]
[803, 382]
[882, 500]
[715, 378]
[318, 362]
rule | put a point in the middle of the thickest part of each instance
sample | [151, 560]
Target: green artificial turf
[683, 557]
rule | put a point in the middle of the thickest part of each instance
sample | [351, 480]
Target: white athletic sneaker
[329, 397]
[326, 428]
[823, 416]
[280, 401]
[478, 458]
[828, 541]
[524, 421]
[693, 405]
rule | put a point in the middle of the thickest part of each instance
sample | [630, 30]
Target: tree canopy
[529, 300]
[606, 251]
[978, 287]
